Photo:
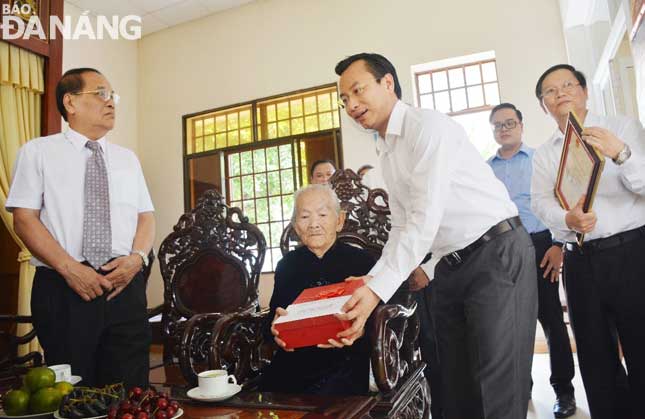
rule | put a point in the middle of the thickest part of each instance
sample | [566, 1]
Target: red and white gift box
[311, 317]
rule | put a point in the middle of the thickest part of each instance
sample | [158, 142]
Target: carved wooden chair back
[210, 263]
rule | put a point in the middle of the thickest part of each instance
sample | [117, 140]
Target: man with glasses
[445, 199]
[513, 166]
[81, 206]
[605, 278]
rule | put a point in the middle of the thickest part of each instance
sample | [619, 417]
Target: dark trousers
[428, 344]
[485, 312]
[104, 341]
[606, 296]
[552, 320]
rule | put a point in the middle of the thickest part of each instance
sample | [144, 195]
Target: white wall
[117, 61]
[273, 46]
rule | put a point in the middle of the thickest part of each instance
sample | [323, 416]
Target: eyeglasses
[508, 124]
[103, 94]
[356, 92]
[567, 87]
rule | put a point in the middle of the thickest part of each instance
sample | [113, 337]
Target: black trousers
[485, 313]
[428, 344]
[606, 296]
[105, 341]
[551, 318]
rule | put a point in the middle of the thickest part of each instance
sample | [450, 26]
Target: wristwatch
[622, 157]
[144, 257]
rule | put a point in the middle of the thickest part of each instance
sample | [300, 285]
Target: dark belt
[541, 235]
[608, 242]
[458, 257]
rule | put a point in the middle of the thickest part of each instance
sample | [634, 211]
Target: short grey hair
[315, 188]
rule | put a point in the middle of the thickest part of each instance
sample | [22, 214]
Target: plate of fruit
[110, 402]
[38, 398]
[90, 402]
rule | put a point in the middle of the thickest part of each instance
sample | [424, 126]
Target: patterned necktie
[97, 233]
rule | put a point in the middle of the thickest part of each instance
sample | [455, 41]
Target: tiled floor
[543, 396]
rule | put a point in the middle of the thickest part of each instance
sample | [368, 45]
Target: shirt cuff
[429, 267]
[11, 204]
[383, 282]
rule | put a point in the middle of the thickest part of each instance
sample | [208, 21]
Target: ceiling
[157, 14]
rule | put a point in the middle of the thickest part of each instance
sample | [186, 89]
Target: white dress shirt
[619, 203]
[442, 194]
[374, 179]
[49, 175]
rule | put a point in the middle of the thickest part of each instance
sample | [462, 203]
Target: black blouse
[313, 370]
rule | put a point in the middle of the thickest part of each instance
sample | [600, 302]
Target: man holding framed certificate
[605, 277]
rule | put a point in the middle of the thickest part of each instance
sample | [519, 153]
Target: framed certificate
[579, 172]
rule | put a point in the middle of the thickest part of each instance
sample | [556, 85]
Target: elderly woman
[322, 260]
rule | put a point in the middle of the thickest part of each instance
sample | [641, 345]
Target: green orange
[16, 402]
[45, 400]
[39, 377]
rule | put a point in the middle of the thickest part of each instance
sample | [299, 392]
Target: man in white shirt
[81, 206]
[445, 199]
[605, 279]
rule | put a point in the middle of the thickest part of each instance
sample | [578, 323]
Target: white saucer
[195, 394]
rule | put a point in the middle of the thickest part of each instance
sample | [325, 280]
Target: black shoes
[565, 406]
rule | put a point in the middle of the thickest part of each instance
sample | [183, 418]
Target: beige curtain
[21, 88]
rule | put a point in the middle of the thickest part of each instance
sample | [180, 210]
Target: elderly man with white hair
[322, 260]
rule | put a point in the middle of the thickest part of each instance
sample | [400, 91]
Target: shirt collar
[394, 127]
[78, 140]
[523, 149]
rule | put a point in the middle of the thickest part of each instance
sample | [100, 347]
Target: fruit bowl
[3, 415]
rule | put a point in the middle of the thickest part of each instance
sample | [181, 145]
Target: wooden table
[259, 405]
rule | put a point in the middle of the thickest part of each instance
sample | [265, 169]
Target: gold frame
[579, 171]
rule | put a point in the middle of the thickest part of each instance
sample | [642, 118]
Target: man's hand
[577, 220]
[85, 281]
[418, 280]
[604, 141]
[357, 309]
[279, 312]
[552, 262]
[123, 269]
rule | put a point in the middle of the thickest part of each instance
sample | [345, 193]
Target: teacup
[213, 382]
[63, 372]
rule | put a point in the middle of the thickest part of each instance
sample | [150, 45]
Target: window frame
[336, 133]
[480, 63]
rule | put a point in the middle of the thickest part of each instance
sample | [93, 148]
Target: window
[465, 88]
[258, 163]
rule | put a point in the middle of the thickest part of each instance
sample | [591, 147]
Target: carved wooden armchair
[393, 328]
[210, 264]
[12, 365]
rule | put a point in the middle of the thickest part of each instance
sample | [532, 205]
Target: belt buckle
[453, 259]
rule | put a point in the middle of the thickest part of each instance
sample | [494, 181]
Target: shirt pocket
[124, 188]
